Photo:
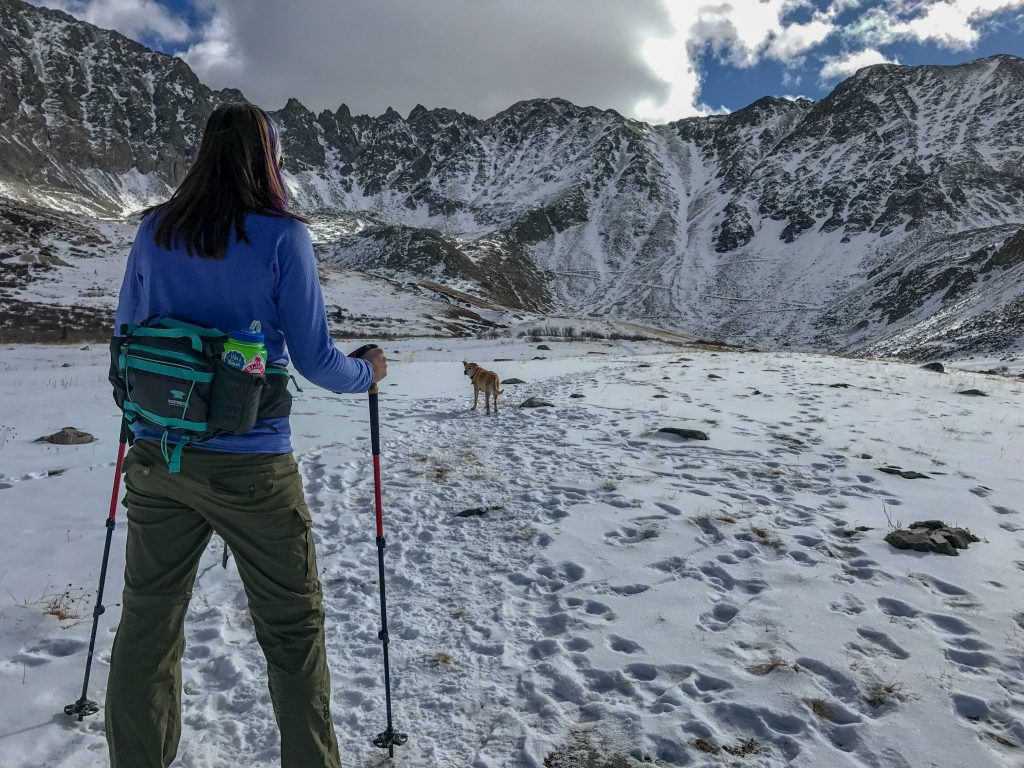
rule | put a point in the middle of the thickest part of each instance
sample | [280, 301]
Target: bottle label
[256, 366]
[235, 359]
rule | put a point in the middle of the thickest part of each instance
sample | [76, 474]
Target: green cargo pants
[255, 503]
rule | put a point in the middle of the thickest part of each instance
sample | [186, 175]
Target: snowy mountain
[852, 224]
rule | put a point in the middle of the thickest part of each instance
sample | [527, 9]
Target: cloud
[132, 18]
[790, 80]
[953, 24]
[839, 67]
[470, 55]
[644, 58]
[215, 55]
[479, 56]
[741, 33]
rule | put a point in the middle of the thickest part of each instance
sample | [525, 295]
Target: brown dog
[483, 381]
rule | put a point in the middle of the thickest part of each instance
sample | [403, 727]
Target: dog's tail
[500, 391]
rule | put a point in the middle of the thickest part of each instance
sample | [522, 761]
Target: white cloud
[953, 24]
[216, 56]
[789, 80]
[839, 67]
[742, 32]
[132, 18]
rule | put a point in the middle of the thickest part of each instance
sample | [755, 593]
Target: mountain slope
[787, 222]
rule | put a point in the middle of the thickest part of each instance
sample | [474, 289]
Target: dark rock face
[93, 112]
[932, 536]
[916, 171]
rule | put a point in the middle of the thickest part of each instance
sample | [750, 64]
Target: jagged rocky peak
[87, 110]
[844, 223]
[300, 136]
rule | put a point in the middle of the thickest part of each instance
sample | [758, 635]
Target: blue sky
[733, 87]
[657, 60]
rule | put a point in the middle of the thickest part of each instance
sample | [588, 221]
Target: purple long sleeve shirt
[273, 279]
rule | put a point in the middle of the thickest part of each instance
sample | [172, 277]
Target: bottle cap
[246, 336]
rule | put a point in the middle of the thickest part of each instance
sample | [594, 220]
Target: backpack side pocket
[235, 399]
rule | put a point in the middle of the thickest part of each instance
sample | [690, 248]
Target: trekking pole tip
[82, 708]
[390, 739]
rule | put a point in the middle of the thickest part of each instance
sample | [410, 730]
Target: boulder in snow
[908, 474]
[535, 402]
[67, 436]
[932, 536]
[686, 434]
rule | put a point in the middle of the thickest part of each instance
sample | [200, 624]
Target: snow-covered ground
[647, 590]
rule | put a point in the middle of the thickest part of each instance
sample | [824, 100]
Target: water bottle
[245, 350]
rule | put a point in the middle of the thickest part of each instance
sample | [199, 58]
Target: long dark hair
[237, 171]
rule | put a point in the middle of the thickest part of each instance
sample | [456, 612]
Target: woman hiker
[222, 252]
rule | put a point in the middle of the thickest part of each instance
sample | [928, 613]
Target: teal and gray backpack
[169, 376]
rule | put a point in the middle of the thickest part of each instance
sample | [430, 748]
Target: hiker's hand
[378, 361]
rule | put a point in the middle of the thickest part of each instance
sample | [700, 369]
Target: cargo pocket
[251, 484]
[136, 472]
[312, 579]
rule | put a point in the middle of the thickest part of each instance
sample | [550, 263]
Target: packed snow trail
[569, 567]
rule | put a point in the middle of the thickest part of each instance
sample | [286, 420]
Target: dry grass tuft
[442, 659]
[586, 749]
[744, 748]
[439, 473]
[61, 607]
[471, 458]
[705, 746]
[65, 606]
[764, 536]
[880, 693]
[706, 516]
[773, 663]
[999, 739]
[821, 708]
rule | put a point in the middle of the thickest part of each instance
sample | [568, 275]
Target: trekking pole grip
[358, 354]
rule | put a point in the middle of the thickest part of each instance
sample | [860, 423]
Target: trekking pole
[390, 738]
[84, 706]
